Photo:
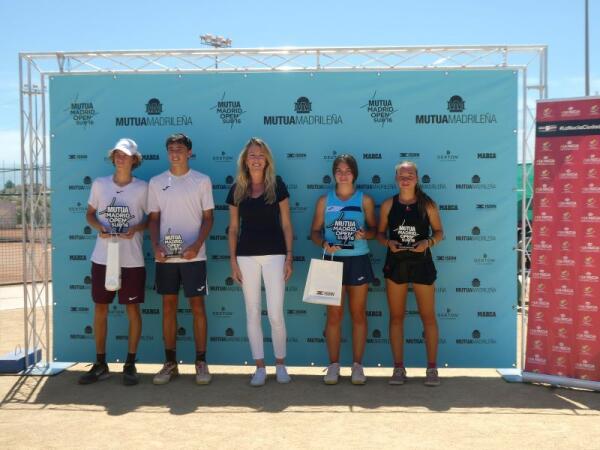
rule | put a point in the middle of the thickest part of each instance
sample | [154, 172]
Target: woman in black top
[261, 246]
[404, 228]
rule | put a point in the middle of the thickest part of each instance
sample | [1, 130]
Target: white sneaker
[259, 377]
[358, 374]
[203, 376]
[281, 374]
[333, 373]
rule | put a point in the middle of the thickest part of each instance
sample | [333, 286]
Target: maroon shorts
[133, 285]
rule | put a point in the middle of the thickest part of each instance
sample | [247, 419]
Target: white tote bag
[112, 281]
[324, 283]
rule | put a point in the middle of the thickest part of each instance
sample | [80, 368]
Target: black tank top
[407, 224]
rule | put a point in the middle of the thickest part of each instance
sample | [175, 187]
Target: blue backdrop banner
[458, 126]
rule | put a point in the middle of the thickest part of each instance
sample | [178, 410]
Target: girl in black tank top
[409, 226]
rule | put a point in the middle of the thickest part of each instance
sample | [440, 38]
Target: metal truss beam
[34, 68]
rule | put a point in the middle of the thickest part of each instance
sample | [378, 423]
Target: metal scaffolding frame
[34, 69]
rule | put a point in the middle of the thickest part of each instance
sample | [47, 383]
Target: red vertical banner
[563, 333]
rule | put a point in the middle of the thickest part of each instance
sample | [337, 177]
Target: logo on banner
[154, 107]
[297, 207]
[476, 339]
[568, 174]
[540, 303]
[476, 236]
[591, 188]
[222, 313]
[303, 108]
[536, 359]
[87, 281]
[380, 110]
[376, 184]
[538, 330]
[571, 111]
[547, 113]
[567, 203]
[224, 186]
[544, 217]
[456, 107]
[543, 245]
[303, 105]
[476, 184]
[586, 335]
[325, 184]
[448, 207]
[222, 157]
[428, 185]
[447, 156]
[456, 104]
[446, 258]
[590, 218]
[484, 260]
[447, 314]
[87, 333]
[82, 113]
[545, 161]
[564, 290]
[87, 181]
[569, 146]
[376, 338]
[78, 208]
[544, 189]
[153, 118]
[296, 155]
[592, 159]
[229, 111]
[414, 155]
[475, 288]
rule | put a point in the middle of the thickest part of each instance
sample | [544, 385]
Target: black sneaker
[130, 375]
[98, 372]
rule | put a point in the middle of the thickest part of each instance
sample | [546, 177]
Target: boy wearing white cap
[116, 209]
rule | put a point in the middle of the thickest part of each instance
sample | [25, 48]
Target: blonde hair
[242, 179]
[424, 201]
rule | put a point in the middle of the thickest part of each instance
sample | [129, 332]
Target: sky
[68, 25]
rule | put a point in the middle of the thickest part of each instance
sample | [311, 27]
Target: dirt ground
[472, 409]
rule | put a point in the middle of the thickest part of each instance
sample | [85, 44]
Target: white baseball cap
[127, 146]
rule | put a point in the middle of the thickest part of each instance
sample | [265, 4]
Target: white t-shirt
[118, 208]
[180, 201]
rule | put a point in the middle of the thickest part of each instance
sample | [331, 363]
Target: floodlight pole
[587, 51]
[215, 42]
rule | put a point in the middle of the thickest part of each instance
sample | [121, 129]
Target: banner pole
[523, 242]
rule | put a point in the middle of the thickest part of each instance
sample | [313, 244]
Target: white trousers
[271, 268]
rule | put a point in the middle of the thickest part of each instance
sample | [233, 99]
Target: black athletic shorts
[133, 281]
[357, 269]
[170, 276]
[410, 267]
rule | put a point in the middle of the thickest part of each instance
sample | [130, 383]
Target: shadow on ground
[307, 393]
